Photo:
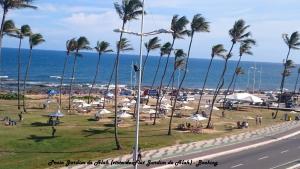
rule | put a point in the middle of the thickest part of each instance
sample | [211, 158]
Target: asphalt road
[278, 155]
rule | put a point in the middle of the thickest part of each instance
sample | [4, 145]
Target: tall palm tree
[34, 40]
[70, 47]
[102, 47]
[238, 33]
[25, 31]
[82, 43]
[293, 42]
[127, 11]
[164, 50]
[296, 83]
[217, 50]
[245, 48]
[7, 5]
[198, 24]
[151, 45]
[239, 71]
[178, 27]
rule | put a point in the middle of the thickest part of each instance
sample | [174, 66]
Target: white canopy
[84, 104]
[78, 101]
[125, 100]
[125, 109]
[186, 108]
[132, 101]
[124, 115]
[146, 107]
[96, 102]
[209, 106]
[103, 111]
[151, 111]
[245, 97]
[197, 117]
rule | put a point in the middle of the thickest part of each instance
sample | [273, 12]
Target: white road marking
[264, 157]
[294, 167]
[284, 164]
[236, 165]
[284, 151]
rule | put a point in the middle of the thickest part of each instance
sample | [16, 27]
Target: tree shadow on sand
[40, 138]
[91, 132]
[39, 124]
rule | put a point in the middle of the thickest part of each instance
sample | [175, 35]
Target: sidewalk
[197, 147]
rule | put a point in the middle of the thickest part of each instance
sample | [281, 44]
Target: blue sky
[61, 20]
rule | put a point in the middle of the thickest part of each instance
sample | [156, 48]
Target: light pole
[248, 78]
[260, 72]
[254, 72]
[141, 34]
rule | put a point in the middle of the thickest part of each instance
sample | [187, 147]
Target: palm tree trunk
[180, 85]
[204, 84]
[144, 63]
[296, 83]
[219, 86]
[173, 79]
[96, 74]
[235, 79]
[62, 78]
[230, 84]
[282, 83]
[161, 83]
[19, 71]
[172, 75]
[110, 80]
[116, 90]
[155, 75]
[25, 79]
[72, 79]
[1, 37]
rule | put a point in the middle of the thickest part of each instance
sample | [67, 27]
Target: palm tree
[7, 5]
[164, 50]
[25, 31]
[296, 83]
[238, 33]
[293, 43]
[70, 47]
[199, 24]
[102, 47]
[127, 11]
[217, 50]
[178, 27]
[81, 44]
[245, 48]
[239, 71]
[152, 44]
[34, 40]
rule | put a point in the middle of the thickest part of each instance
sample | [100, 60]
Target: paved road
[279, 155]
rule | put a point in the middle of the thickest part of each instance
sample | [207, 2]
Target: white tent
[124, 115]
[151, 111]
[84, 104]
[246, 97]
[125, 109]
[208, 106]
[125, 100]
[132, 101]
[146, 107]
[197, 117]
[78, 101]
[186, 108]
[96, 102]
[103, 111]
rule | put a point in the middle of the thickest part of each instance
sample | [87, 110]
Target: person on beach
[256, 119]
[139, 156]
[20, 116]
[53, 131]
[260, 119]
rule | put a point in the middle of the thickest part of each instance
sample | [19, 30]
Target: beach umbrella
[186, 108]
[56, 114]
[52, 92]
[124, 115]
[151, 111]
[208, 106]
[125, 100]
[103, 111]
[132, 101]
[78, 101]
[125, 109]
[293, 112]
[146, 107]
[197, 117]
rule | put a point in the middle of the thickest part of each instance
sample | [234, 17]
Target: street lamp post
[141, 34]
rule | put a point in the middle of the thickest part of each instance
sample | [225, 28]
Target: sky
[59, 21]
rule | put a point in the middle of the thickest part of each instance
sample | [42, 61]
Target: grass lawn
[30, 145]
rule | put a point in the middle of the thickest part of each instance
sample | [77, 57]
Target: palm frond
[35, 40]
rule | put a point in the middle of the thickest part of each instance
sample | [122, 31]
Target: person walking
[256, 119]
[260, 119]
[139, 157]
[20, 116]
[53, 131]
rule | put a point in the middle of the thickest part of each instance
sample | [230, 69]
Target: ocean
[48, 64]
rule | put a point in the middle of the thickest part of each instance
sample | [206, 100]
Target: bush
[10, 96]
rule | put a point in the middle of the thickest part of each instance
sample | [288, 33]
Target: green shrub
[10, 96]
